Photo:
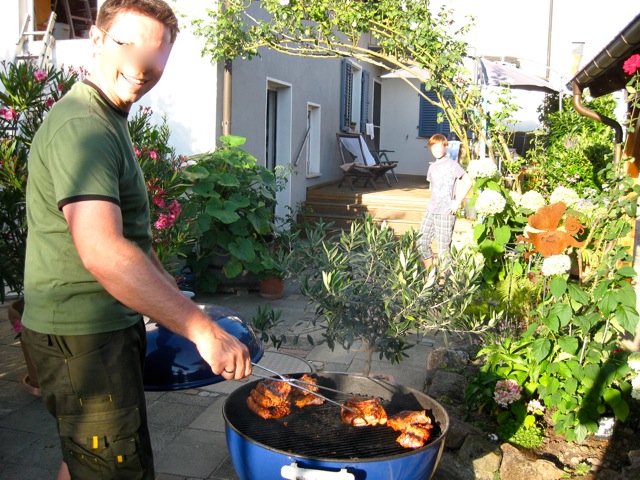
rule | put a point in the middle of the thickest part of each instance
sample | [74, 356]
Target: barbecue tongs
[300, 384]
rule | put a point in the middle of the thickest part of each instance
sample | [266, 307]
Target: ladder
[86, 18]
[31, 38]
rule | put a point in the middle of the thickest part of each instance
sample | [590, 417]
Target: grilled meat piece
[273, 412]
[302, 398]
[273, 399]
[277, 392]
[365, 412]
[309, 399]
[415, 427]
[415, 436]
[401, 420]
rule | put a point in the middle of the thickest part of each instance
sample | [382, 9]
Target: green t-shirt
[81, 152]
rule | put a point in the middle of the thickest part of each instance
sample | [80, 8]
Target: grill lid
[173, 362]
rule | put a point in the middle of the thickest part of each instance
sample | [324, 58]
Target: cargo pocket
[102, 445]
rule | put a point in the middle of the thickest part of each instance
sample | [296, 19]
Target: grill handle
[293, 472]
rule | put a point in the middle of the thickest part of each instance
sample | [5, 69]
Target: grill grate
[317, 431]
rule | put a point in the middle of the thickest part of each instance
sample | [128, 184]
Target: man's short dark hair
[156, 9]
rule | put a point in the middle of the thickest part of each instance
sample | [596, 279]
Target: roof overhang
[604, 73]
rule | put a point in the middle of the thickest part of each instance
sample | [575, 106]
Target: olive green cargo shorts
[92, 385]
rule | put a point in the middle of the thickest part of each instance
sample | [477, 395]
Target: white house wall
[187, 94]
[399, 127]
[314, 81]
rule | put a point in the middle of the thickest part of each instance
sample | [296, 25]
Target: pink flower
[174, 209]
[61, 86]
[153, 154]
[507, 392]
[159, 201]
[136, 151]
[40, 75]
[49, 103]
[8, 114]
[631, 64]
[164, 221]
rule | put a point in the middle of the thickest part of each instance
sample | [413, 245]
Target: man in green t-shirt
[90, 269]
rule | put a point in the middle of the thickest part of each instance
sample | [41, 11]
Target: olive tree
[407, 34]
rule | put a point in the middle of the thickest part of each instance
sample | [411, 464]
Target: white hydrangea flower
[566, 195]
[482, 168]
[634, 361]
[284, 3]
[635, 383]
[490, 202]
[515, 197]
[534, 406]
[555, 264]
[532, 200]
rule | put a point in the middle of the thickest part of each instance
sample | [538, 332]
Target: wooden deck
[401, 205]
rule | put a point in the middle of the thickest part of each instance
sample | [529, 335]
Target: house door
[377, 101]
[278, 139]
[272, 131]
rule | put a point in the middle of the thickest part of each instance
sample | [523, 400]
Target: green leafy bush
[28, 94]
[162, 169]
[232, 201]
[368, 285]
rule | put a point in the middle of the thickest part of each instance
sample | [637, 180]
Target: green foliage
[162, 169]
[28, 94]
[496, 234]
[266, 322]
[370, 286]
[232, 201]
[570, 355]
[573, 151]
[520, 435]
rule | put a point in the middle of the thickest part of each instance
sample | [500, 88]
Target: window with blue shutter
[346, 95]
[428, 117]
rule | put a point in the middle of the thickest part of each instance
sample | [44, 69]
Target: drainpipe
[226, 92]
[226, 98]
[582, 110]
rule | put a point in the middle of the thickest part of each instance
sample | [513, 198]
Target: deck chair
[359, 162]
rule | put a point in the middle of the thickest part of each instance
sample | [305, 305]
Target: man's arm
[132, 278]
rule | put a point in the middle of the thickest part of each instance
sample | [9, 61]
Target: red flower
[40, 75]
[50, 101]
[174, 209]
[159, 201]
[8, 114]
[164, 221]
[632, 64]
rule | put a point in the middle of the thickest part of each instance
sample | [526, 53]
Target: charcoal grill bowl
[257, 459]
[173, 362]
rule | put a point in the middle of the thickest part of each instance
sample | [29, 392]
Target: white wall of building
[399, 127]
[187, 93]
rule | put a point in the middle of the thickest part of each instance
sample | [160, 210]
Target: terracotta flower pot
[30, 382]
[271, 288]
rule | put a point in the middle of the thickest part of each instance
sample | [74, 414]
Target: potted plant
[28, 94]
[232, 202]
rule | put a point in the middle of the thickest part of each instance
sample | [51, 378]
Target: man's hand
[223, 352]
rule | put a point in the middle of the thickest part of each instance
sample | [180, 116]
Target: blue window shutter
[346, 95]
[364, 101]
[428, 117]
